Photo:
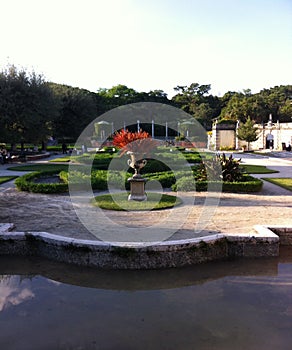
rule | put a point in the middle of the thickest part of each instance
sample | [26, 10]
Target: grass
[257, 169]
[282, 182]
[64, 159]
[6, 179]
[119, 201]
[40, 167]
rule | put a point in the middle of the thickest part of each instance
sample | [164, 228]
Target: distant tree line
[32, 109]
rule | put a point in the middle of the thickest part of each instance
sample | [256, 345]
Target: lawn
[257, 169]
[6, 179]
[119, 201]
[64, 159]
[40, 167]
[282, 182]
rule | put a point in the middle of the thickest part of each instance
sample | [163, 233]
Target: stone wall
[138, 255]
[224, 136]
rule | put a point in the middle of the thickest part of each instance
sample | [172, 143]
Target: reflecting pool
[237, 304]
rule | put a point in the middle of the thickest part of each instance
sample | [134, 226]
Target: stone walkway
[235, 213]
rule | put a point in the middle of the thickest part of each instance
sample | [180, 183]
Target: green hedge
[100, 179]
[249, 184]
[26, 183]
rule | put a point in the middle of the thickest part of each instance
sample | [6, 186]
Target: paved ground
[235, 213]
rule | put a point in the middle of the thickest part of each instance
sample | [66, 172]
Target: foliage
[247, 132]
[220, 167]
[119, 201]
[76, 107]
[166, 179]
[121, 94]
[185, 184]
[226, 148]
[26, 106]
[276, 100]
[99, 179]
[154, 166]
[140, 142]
[27, 183]
[195, 100]
[246, 185]
[31, 109]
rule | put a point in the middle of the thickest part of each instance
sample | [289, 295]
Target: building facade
[275, 136]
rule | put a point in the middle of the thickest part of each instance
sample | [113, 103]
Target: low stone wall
[284, 233]
[135, 255]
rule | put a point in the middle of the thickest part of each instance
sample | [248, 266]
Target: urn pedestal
[137, 188]
[137, 182]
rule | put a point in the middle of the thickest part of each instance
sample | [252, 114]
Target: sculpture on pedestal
[137, 145]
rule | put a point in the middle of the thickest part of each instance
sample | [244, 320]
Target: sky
[151, 44]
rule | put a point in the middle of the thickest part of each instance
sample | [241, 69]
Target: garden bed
[54, 182]
[120, 202]
[39, 182]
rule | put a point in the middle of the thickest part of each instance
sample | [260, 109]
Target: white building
[276, 136]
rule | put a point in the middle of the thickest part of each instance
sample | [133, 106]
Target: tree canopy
[31, 109]
[247, 132]
[27, 106]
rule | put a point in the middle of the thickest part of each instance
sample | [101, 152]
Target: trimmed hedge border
[26, 183]
[167, 180]
[251, 184]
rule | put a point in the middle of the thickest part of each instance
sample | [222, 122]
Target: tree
[195, 100]
[26, 104]
[247, 132]
[77, 108]
[189, 97]
[117, 96]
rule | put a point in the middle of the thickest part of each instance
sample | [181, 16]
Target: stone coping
[135, 255]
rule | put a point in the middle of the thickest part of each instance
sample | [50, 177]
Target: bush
[154, 166]
[220, 167]
[248, 184]
[99, 179]
[110, 150]
[192, 157]
[26, 183]
[166, 179]
[185, 184]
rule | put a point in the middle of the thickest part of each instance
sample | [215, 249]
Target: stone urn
[137, 182]
[136, 162]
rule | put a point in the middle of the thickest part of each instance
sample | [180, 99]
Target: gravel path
[236, 213]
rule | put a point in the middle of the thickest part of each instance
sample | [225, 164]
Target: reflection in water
[13, 291]
[240, 304]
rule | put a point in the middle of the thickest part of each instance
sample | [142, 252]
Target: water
[240, 304]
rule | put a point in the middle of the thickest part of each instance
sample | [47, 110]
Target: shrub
[226, 148]
[26, 183]
[247, 184]
[185, 184]
[166, 179]
[154, 166]
[192, 157]
[99, 179]
[110, 150]
[220, 167]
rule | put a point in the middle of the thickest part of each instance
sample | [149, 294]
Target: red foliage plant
[140, 142]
